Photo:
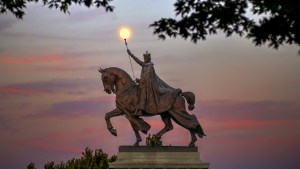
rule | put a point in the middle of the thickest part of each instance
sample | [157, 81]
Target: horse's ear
[101, 70]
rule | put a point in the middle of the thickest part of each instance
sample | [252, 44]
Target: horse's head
[109, 80]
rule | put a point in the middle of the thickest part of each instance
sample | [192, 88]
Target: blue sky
[52, 103]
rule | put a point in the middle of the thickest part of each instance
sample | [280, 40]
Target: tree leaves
[282, 26]
[199, 18]
[89, 159]
[31, 166]
[17, 7]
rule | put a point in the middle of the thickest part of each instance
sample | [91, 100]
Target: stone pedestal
[166, 157]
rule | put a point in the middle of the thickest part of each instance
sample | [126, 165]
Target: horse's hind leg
[138, 138]
[168, 125]
[193, 139]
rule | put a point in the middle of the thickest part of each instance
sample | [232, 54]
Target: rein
[117, 78]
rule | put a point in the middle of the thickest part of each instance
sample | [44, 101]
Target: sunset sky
[52, 103]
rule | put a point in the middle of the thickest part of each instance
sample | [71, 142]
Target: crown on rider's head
[147, 54]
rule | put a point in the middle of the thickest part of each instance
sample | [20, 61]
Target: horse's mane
[118, 71]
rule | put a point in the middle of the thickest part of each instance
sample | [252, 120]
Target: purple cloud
[72, 86]
[240, 134]
[6, 23]
[74, 109]
[44, 146]
[30, 60]
[264, 110]
[61, 38]
[86, 15]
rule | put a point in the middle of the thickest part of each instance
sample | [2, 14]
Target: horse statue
[117, 81]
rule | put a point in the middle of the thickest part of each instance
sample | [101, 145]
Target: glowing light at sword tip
[125, 34]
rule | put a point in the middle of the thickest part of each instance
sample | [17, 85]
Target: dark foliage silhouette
[89, 159]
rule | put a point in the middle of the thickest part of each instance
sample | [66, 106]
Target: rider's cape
[159, 96]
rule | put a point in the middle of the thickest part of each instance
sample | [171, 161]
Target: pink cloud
[292, 141]
[90, 131]
[54, 86]
[46, 146]
[253, 124]
[70, 141]
[229, 128]
[77, 109]
[29, 60]
[15, 90]
[57, 68]
[235, 110]
[67, 136]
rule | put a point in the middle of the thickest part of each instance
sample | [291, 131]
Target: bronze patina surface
[149, 97]
[157, 149]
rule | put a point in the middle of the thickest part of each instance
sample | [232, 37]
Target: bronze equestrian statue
[152, 96]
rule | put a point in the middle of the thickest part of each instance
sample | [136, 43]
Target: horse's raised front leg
[113, 113]
[168, 125]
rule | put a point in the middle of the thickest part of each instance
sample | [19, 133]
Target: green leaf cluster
[153, 141]
[89, 160]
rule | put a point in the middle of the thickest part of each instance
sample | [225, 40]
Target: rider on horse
[155, 96]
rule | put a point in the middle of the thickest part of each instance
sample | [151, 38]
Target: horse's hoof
[113, 132]
[144, 131]
[136, 144]
[192, 145]
[157, 136]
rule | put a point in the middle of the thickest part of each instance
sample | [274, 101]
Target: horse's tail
[190, 98]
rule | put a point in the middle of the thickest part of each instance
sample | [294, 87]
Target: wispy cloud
[231, 126]
[71, 86]
[257, 110]
[30, 60]
[15, 90]
[57, 38]
[79, 108]
[245, 124]
[4, 124]
[85, 15]
[6, 23]
[44, 146]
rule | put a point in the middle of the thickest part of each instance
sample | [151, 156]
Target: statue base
[165, 157]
